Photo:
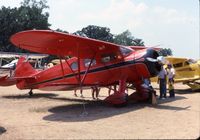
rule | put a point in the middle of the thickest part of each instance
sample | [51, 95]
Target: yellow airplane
[187, 71]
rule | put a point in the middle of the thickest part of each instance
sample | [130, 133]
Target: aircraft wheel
[30, 92]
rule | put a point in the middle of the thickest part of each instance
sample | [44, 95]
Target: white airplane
[6, 56]
[10, 65]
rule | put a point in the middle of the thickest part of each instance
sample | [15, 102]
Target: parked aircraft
[12, 58]
[93, 63]
[10, 65]
[187, 71]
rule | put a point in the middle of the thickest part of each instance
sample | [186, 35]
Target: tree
[59, 30]
[30, 15]
[80, 33]
[7, 26]
[127, 39]
[165, 52]
[96, 32]
[42, 4]
[124, 38]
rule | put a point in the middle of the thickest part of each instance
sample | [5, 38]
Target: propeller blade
[151, 59]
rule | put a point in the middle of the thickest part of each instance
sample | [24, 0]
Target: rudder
[24, 68]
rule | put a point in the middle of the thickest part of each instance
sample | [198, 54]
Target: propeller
[152, 59]
[159, 59]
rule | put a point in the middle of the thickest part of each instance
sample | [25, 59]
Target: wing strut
[62, 67]
[79, 66]
[82, 81]
[71, 69]
[77, 78]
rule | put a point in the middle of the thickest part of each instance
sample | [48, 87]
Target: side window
[74, 66]
[108, 57]
[87, 62]
[178, 65]
[186, 63]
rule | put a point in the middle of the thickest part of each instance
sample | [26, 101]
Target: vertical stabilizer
[24, 68]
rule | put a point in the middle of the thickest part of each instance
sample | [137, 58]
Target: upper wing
[61, 44]
[175, 60]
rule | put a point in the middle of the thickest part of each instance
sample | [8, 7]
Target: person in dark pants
[95, 89]
[171, 75]
[171, 88]
[162, 82]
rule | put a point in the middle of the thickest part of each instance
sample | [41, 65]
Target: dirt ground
[60, 115]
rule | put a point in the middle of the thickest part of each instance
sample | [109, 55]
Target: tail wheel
[30, 92]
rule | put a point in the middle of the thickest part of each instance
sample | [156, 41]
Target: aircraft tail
[24, 69]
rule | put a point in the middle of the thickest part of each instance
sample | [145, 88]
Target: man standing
[162, 82]
[171, 75]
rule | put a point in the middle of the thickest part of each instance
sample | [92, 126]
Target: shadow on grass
[80, 110]
[95, 110]
[186, 91]
[183, 91]
[27, 96]
[50, 96]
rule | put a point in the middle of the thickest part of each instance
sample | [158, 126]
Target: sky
[169, 23]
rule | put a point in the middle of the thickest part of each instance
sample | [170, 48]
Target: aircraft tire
[30, 93]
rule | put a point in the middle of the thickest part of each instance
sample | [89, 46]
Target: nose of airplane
[152, 62]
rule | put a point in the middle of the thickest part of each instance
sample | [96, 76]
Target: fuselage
[187, 71]
[102, 70]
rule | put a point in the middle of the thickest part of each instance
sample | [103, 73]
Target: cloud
[154, 23]
[174, 24]
[170, 16]
[135, 15]
[116, 12]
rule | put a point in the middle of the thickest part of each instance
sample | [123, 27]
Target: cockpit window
[87, 62]
[108, 57]
[178, 65]
[191, 61]
[125, 51]
[74, 66]
[186, 63]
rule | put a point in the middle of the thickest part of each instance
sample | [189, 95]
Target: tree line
[31, 15]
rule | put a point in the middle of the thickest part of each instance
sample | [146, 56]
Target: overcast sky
[170, 23]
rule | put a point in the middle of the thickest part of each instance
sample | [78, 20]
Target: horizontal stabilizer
[7, 81]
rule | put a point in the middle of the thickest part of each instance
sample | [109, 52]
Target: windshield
[191, 61]
[125, 50]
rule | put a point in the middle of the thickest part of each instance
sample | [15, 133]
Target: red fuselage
[104, 70]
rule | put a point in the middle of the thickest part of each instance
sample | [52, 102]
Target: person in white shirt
[170, 72]
[162, 82]
[171, 75]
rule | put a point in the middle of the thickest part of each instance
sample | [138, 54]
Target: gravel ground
[60, 115]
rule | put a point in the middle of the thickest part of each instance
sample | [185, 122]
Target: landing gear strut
[30, 93]
[119, 98]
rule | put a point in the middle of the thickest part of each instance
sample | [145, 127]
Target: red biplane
[93, 63]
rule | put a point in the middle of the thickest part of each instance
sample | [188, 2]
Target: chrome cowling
[153, 64]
